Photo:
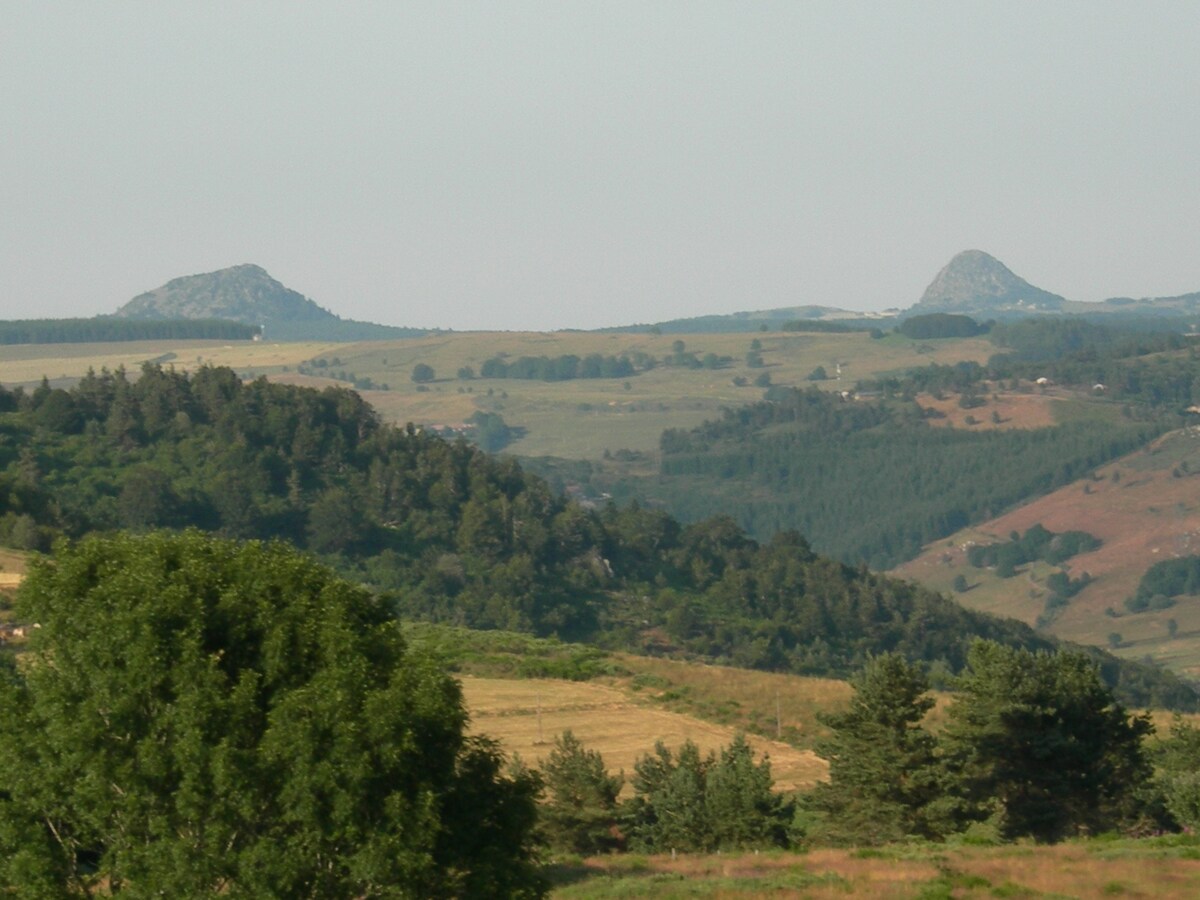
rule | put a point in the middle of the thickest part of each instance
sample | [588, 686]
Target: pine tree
[743, 812]
[883, 772]
[580, 813]
[668, 811]
[1037, 742]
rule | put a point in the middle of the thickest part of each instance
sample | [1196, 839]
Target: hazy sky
[542, 165]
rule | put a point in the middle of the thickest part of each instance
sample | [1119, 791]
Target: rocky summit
[243, 293]
[975, 282]
[246, 293]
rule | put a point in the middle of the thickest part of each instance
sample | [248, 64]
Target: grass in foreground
[1167, 867]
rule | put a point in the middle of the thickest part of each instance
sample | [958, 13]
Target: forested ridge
[455, 535]
[869, 481]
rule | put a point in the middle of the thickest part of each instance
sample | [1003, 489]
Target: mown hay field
[12, 567]
[527, 715]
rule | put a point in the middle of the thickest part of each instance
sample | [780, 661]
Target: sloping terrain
[527, 715]
[975, 282]
[575, 419]
[1145, 507]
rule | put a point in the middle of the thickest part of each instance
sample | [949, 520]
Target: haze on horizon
[520, 165]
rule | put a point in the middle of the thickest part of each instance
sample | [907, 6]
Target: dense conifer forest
[870, 481]
[111, 328]
[454, 535]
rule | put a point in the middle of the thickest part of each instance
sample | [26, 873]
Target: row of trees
[564, 368]
[1037, 543]
[1034, 746]
[941, 325]
[1164, 581]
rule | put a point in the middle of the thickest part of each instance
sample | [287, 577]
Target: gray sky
[504, 165]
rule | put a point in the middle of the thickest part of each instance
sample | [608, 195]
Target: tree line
[1164, 581]
[112, 328]
[1035, 746]
[566, 367]
[1037, 543]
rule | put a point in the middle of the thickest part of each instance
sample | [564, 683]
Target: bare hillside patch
[1001, 410]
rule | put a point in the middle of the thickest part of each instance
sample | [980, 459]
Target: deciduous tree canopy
[196, 717]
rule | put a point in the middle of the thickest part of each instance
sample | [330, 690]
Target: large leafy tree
[884, 775]
[198, 717]
[1037, 742]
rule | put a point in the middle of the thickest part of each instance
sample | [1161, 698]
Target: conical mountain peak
[974, 281]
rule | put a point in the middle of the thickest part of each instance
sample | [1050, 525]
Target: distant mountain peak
[243, 293]
[246, 293]
[974, 281]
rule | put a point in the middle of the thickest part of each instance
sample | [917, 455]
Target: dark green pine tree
[668, 811]
[1037, 744]
[883, 772]
[580, 813]
[743, 811]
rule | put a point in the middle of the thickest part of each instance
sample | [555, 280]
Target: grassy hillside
[625, 707]
[1145, 507]
[774, 706]
[873, 480]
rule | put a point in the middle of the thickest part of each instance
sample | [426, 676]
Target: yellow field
[12, 567]
[527, 715]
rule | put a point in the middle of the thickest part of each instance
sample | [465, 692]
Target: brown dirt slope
[1144, 508]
